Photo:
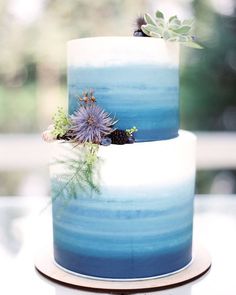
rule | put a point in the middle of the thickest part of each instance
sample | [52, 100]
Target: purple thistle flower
[140, 21]
[91, 124]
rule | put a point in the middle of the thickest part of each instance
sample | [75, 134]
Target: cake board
[46, 265]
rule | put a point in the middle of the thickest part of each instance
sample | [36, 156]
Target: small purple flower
[91, 124]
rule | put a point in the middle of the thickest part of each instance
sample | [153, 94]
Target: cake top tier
[110, 51]
[135, 79]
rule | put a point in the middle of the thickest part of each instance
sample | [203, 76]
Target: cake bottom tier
[140, 224]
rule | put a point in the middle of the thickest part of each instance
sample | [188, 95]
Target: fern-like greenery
[80, 174]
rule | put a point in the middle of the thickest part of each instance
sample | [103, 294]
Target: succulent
[90, 123]
[61, 123]
[171, 30]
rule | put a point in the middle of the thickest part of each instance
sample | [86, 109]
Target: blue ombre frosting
[145, 96]
[134, 79]
[140, 225]
[126, 237]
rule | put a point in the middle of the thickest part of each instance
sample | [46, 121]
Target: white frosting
[107, 51]
[156, 163]
[147, 164]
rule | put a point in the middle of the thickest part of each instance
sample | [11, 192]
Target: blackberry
[106, 141]
[119, 137]
[139, 33]
[63, 137]
[131, 139]
[67, 136]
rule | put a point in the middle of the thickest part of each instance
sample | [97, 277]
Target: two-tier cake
[138, 224]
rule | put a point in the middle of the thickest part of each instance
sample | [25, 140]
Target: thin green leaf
[81, 168]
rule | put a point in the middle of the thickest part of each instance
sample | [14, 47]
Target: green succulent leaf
[188, 22]
[154, 29]
[160, 22]
[172, 34]
[172, 18]
[149, 20]
[173, 39]
[145, 31]
[159, 14]
[155, 35]
[175, 24]
[183, 38]
[182, 30]
[166, 35]
[192, 44]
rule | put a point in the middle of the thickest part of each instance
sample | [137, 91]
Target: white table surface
[23, 225]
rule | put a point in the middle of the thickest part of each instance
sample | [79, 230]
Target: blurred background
[33, 36]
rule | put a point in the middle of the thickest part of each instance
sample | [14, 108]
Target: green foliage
[21, 104]
[81, 172]
[131, 130]
[61, 123]
[171, 30]
[207, 77]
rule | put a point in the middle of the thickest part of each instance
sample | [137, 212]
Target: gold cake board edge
[44, 263]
